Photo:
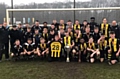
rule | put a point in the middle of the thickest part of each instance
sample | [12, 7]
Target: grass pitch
[57, 70]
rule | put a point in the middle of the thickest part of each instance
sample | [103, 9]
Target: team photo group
[79, 42]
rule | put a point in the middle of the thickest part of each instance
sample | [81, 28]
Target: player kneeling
[17, 50]
[55, 49]
[42, 48]
[113, 50]
[92, 50]
[82, 46]
[29, 49]
[68, 44]
[102, 47]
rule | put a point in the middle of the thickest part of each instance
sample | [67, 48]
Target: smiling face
[91, 40]
[114, 23]
[77, 22]
[104, 20]
[56, 37]
[17, 42]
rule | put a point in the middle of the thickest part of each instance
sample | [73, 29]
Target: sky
[17, 2]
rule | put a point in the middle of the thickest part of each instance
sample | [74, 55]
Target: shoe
[109, 63]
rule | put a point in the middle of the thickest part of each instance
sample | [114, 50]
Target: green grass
[57, 70]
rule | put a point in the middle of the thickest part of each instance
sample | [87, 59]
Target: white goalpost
[58, 9]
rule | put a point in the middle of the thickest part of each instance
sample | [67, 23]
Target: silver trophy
[67, 49]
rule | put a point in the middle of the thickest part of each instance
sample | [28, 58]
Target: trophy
[67, 49]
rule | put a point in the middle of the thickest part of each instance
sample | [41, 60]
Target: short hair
[92, 18]
[88, 26]
[104, 18]
[42, 38]
[56, 35]
[112, 32]
[69, 21]
[84, 20]
[44, 22]
[17, 40]
[96, 28]
[76, 20]
[37, 21]
[28, 27]
[29, 39]
[19, 24]
[52, 24]
[102, 33]
[14, 26]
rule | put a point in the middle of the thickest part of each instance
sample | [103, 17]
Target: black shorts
[102, 53]
[113, 57]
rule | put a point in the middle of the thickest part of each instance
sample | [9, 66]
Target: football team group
[81, 42]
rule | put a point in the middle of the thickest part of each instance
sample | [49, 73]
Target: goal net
[30, 15]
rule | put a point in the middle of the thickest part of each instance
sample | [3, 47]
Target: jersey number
[55, 47]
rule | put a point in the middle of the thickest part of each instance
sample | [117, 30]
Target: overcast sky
[17, 2]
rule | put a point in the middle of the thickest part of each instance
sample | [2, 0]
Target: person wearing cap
[14, 35]
[105, 27]
[93, 24]
[113, 49]
[102, 43]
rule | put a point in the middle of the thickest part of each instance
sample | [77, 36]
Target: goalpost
[58, 9]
